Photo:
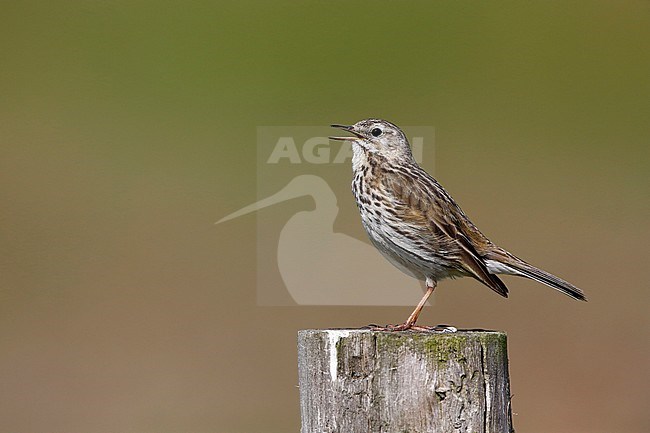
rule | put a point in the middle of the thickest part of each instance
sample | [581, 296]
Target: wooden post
[354, 381]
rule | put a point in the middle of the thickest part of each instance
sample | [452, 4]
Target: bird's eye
[376, 132]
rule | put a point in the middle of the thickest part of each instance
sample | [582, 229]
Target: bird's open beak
[345, 128]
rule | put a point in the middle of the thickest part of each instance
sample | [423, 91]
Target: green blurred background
[128, 128]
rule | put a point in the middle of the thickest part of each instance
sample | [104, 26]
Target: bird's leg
[431, 286]
[410, 322]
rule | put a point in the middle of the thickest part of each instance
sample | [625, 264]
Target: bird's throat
[359, 157]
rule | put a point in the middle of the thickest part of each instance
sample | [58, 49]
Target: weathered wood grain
[369, 381]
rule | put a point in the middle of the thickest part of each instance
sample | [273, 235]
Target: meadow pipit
[417, 226]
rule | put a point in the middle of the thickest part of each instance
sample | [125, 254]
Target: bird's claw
[440, 329]
[371, 326]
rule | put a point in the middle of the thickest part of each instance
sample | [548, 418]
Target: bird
[416, 224]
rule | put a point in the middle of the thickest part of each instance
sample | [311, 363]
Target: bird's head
[377, 136]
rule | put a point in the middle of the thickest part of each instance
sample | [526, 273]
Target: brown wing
[429, 210]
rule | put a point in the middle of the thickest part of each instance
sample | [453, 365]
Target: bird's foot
[401, 327]
[411, 327]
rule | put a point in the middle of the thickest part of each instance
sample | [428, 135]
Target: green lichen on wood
[438, 347]
[500, 342]
[441, 348]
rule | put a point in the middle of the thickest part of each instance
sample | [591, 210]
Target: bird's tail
[507, 263]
